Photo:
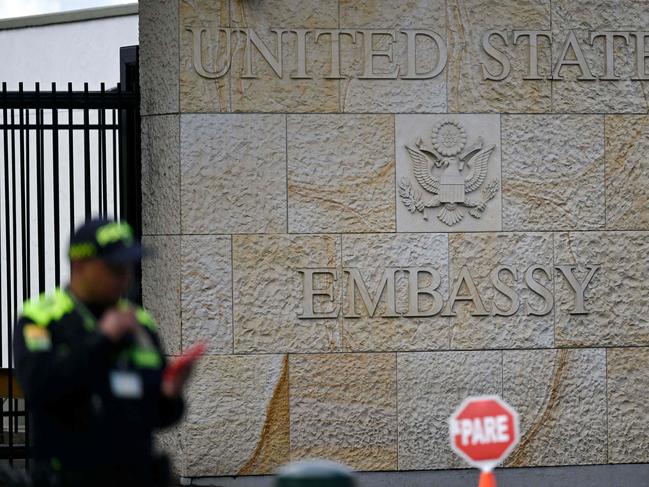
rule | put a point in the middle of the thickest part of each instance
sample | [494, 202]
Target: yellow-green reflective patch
[144, 318]
[82, 250]
[45, 309]
[37, 338]
[146, 358]
[114, 232]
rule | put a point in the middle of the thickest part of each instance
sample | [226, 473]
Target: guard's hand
[172, 387]
[115, 323]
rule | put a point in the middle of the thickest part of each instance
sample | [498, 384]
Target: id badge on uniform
[126, 384]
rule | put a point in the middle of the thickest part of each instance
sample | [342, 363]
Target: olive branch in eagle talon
[449, 187]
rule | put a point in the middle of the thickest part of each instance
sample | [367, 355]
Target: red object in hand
[184, 362]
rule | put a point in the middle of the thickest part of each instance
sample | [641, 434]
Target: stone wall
[248, 182]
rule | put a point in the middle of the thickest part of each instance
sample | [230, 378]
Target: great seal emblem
[449, 172]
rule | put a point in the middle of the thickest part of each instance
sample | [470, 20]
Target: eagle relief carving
[449, 172]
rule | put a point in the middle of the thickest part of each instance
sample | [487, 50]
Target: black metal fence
[67, 156]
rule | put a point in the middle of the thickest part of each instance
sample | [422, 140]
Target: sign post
[484, 431]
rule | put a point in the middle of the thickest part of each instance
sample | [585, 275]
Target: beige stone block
[267, 92]
[431, 386]
[481, 254]
[392, 95]
[207, 292]
[627, 383]
[627, 172]
[341, 173]
[233, 173]
[560, 396]
[386, 14]
[603, 15]
[344, 408]
[161, 175]
[468, 91]
[268, 293]
[371, 255]
[553, 172]
[604, 96]
[204, 92]
[237, 420]
[415, 188]
[161, 287]
[601, 96]
[617, 297]
[158, 20]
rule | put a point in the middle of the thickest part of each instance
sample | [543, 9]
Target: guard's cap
[107, 240]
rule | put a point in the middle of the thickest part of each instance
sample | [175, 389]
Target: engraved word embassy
[399, 54]
[425, 299]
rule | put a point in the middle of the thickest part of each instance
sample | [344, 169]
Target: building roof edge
[69, 16]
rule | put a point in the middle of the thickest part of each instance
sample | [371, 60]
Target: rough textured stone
[359, 95]
[197, 93]
[233, 173]
[371, 255]
[341, 173]
[553, 172]
[481, 253]
[343, 408]
[237, 417]
[161, 175]
[628, 409]
[161, 288]
[431, 386]
[627, 172]
[207, 292]
[267, 92]
[468, 20]
[560, 396]
[617, 297]
[158, 56]
[268, 293]
[583, 16]
[413, 128]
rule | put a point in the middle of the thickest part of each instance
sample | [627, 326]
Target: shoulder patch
[37, 338]
[145, 319]
[47, 308]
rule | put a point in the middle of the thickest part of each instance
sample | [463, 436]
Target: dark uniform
[93, 404]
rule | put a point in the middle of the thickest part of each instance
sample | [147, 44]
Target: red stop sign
[484, 430]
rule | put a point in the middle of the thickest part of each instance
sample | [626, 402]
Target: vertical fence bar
[115, 174]
[56, 192]
[28, 199]
[13, 424]
[71, 159]
[129, 167]
[102, 156]
[5, 230]
[40, 191]
[9, 313]
[25, 242]
[23, 214]
[86, 154]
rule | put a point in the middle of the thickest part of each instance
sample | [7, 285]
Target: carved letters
[400, 52]
[325, 282]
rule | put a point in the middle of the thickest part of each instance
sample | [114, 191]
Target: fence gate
[67, 156]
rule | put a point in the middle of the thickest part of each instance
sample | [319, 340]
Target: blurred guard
[91, 367]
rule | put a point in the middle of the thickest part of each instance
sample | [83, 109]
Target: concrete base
[636, 475]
